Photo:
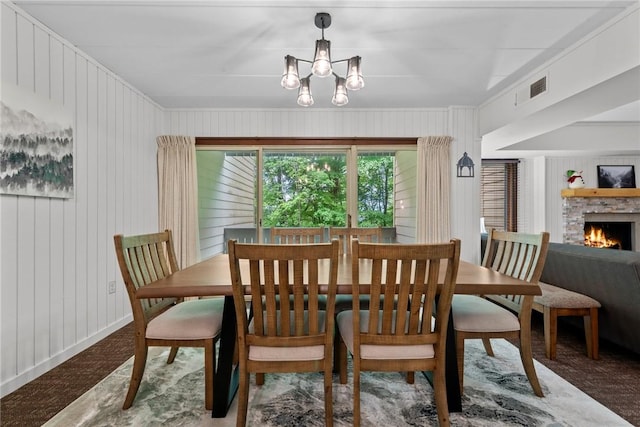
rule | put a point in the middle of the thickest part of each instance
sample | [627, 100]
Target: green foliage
[300, 192]
[310, 191]
[375, 191]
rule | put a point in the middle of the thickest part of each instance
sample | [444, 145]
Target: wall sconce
[465, 162]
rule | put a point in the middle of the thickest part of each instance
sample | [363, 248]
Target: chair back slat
[285, 284]
[519, 255]
[143, 259]
[289, 236]
[407, 277]
[345, 236]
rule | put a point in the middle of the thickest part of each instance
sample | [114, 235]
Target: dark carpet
[612, 380]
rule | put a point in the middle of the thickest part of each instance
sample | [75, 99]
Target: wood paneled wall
[57, 254]
[405, 200]
[226, 192]
[458, 122]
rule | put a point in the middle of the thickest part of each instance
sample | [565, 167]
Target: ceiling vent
[532, 89]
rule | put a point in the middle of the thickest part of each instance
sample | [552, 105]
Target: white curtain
[434, 189]
[178, 195]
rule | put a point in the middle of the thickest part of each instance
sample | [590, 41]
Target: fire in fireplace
[611, 235]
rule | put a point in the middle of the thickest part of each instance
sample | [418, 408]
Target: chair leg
[342, 361]
[259, 378]
[328, 394]
[526, 355]
[411, 377]
[591, 333]
[172, 355]
[460, 357]
[139, 362]
[209, 372]
[243, 396]
[356, 393]
[336, 350]
[440, 391]
[486, 342]
[550, 317]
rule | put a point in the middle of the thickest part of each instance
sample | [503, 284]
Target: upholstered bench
[556, 301]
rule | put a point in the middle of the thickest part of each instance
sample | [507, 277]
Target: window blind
[499, 194]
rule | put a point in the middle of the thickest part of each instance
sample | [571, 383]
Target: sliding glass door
[243, 192]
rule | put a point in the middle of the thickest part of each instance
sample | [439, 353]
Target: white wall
[57, 255]
[405, 199]
[458, 122]
[226, 196]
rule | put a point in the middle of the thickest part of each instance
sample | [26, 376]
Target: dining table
[212, 277]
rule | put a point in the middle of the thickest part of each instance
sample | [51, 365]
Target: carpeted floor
[612, 380]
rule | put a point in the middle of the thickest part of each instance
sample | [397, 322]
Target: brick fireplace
[600, 205]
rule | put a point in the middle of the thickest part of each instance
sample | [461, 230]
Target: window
[375, 189]
[499, 194]
[304, 189]
[245, 188]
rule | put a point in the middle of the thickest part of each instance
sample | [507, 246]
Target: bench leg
[591, 333]
[550, 316]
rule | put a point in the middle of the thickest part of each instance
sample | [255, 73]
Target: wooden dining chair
[286, 330]
[345, 236]
[284, 235]
[409, 275]
[484, 317]
[166, 322]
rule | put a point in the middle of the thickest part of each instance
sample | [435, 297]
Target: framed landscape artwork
[616, 176]
[36, 151]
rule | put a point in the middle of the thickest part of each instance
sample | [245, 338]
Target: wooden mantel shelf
[600, 192]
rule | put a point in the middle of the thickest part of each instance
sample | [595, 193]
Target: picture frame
[616, 176]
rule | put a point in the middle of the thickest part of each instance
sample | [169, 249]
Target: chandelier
[322, 66]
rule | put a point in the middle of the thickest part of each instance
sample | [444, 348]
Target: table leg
[454, 399]
[225, 383]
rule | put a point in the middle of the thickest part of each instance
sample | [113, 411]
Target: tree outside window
[309, 189]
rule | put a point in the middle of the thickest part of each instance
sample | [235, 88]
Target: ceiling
[415, 53]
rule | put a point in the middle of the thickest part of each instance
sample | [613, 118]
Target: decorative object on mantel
[616, 176]
[574, 178]
[465, 162]
[321, 66]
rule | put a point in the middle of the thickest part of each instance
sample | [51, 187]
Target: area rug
[496, 393]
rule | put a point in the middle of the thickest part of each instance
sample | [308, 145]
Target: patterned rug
[496, 393]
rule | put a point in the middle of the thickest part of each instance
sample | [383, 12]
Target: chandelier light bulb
[340, 97]
[304, 93]
[322, 60]
[355, 81]
[290, 77]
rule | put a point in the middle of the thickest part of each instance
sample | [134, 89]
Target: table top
[212, 277]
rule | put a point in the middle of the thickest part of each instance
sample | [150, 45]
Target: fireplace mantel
[599, 204]
[600, 192]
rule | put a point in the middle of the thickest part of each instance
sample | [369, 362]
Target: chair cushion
[475, 314]
[313, 352]
[188, 320]
[344, 321]
[555, 297]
